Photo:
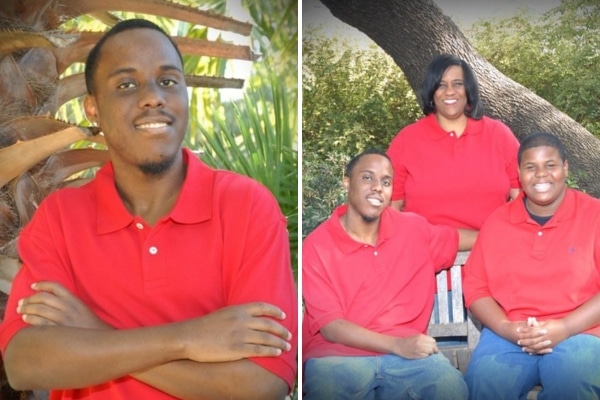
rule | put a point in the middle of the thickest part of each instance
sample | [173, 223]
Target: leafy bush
[352, 98]
[322, 187]
[556, 56]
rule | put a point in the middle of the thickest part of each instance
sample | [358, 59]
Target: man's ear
[346, 183]
[91, 110]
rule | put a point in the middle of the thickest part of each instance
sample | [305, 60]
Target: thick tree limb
[413, 31]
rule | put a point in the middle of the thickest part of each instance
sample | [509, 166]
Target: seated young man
[533, 280]
[368, 278]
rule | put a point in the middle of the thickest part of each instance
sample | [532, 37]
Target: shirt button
[139, 225]
[153, 250]
[540, 233]
[376, 253]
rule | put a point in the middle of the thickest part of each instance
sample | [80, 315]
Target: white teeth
[450, 101]
[375, 202]
[542, 187]
[154, 125]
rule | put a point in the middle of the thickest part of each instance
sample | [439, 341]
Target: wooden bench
[454, 321]
[451, 321]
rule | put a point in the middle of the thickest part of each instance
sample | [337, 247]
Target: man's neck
[151, 197]
[360, 230]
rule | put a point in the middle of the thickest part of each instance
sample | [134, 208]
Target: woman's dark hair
[538, 139]
[352, 163]
[432, 79]
[91, 64]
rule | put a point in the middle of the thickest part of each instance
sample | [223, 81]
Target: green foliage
[258, 140]
[322, 187]
[352, 98]
[257, 135]
[556, 56]
[573, 182]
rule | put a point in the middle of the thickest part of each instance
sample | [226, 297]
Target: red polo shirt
[454, 181]
[538, 271]
[224, 243]
[385, 288]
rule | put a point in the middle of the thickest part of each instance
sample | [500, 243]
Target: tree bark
[412, 32]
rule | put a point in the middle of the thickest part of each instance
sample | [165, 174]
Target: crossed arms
[197, 358]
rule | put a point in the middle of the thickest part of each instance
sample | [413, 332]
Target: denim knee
[339, 378]
[499, 369]
[572, 370]
[382, 377]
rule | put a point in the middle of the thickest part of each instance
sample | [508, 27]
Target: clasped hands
[229, 334]
[538, 338]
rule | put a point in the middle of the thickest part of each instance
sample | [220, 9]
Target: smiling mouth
[450, 102]
[152, 125]
[375, 202]
[542, 187]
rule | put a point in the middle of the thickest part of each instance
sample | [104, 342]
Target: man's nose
[541, 172]
[377, 186]
[152, 96]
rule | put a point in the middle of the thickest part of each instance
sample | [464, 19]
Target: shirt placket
[151, 255]
[541, 239]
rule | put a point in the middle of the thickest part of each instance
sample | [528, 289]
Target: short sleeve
[475, 282]
[443, 245]
[396, 152]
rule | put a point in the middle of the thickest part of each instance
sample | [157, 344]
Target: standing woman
[454, 166]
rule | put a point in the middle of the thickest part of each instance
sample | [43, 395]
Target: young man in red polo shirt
[368, 276]
[533, 280]
[162, 278]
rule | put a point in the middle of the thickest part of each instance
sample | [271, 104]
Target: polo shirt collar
[195, 200]
[565, 211]
[193, 205]
[435, 131]
[345, 242]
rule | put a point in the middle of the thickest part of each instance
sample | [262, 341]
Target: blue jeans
[500, 370]
[386, 377]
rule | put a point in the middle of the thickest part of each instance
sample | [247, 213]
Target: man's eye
[168, 82]
[126, 85]
[366, 178]
[387, 183]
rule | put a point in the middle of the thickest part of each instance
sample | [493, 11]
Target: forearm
[241, 379]
[492, 316]
[466, 239]
[355, 336]
[83, 357]
[584, 317]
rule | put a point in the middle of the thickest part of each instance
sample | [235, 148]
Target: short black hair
[91, 64]
[538, 139]
[352, 163]
[432, 79]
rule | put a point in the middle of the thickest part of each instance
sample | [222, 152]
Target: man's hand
[541, 337]
[417, 346]
[53, 304]
[236, 332]
[228, 334]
